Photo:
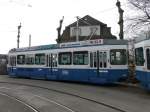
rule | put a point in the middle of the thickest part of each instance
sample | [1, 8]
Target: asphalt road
[50, 101]
[10, 104]
[55, 99]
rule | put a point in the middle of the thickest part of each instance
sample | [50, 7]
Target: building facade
[87, 28]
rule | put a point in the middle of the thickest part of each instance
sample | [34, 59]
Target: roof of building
[87, 20]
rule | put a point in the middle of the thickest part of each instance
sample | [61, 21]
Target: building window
[21, 59]
[74, 31]
[118, 57]
[80, 58]
[40, 59]
[139, 56]
[65, 58]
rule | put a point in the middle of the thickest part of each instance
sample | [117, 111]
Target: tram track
[67, 93]
[20, 101]
[67, 109]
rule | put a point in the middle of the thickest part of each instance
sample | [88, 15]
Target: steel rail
[20, 101]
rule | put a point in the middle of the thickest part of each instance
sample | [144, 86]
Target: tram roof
[140, 39]
[72, 44]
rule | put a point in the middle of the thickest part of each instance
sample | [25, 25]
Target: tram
[142, 60]
[100, 61]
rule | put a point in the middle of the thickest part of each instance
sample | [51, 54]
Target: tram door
[52, 65]
[148, 58]
[12, 62]
[99, 61]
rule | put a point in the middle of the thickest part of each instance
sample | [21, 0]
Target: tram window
[139, 56]
[95, 59]
[118, 57]
[100, 59]
[21, 59]
[47, 59]
[54, 60]
[91, 59]
[80, 58]
[40, 59]
[148, 58]
[65, 58]
[50, 60]
[30, 60]
[105, 59]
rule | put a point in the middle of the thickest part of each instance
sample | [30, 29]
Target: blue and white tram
[95, 61]
[142, 59]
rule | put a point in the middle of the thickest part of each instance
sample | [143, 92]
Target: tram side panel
[142, 60]
[87, 64]
[98, 69]
[73, 69]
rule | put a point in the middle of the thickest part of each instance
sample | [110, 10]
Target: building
[3, 64]
[88, 28]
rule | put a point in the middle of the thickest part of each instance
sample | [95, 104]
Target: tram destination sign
[82, 43]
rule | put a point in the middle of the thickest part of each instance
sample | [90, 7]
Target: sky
[40, 18]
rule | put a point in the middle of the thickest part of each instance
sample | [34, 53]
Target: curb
[137, 85]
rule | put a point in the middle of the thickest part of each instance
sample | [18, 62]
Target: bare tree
[142, 17]
[144, 33]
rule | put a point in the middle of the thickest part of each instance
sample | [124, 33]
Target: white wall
[85, 30]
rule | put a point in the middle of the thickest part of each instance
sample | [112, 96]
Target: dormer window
[74, 31]
[85, 30]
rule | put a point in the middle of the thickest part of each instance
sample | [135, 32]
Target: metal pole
[77, 30]
[30, 40]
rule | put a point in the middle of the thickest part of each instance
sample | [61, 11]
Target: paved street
[9, 104]
[55, 96]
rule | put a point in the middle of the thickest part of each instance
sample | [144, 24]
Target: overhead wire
[109, 9]
[20, 3]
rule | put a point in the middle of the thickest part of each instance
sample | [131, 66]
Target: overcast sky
[40, 18]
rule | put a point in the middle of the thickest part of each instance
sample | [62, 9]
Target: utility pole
[120, 10]
[18, 36]
[77, 29]
[30, 40]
